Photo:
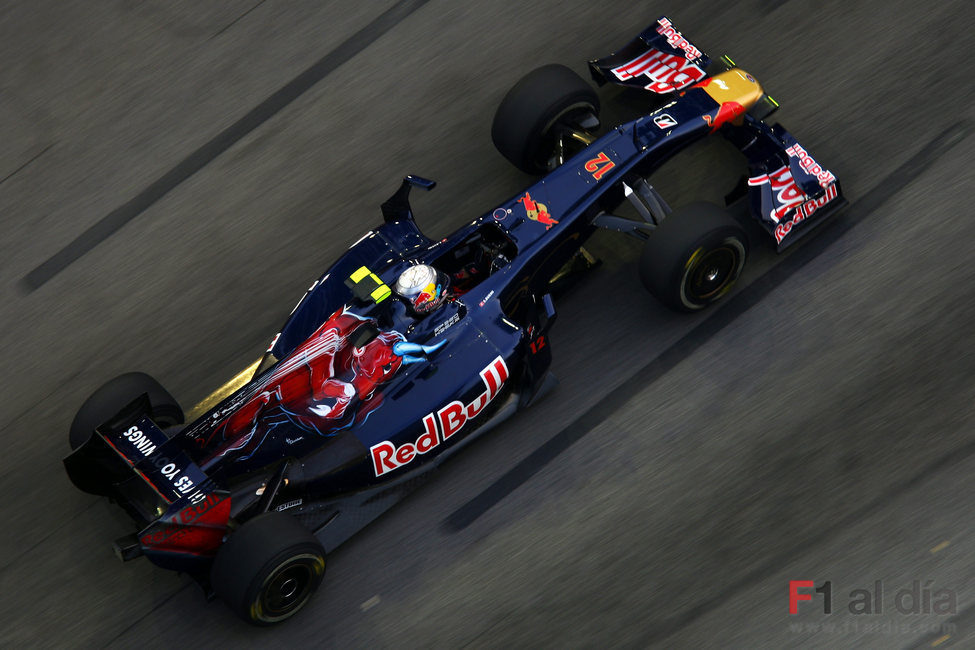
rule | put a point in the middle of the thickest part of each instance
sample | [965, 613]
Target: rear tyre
[268, 569]
[115, 395]
[527, 123]
[694, 257]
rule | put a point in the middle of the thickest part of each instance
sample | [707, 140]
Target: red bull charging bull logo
[537, 211]
[325, 384]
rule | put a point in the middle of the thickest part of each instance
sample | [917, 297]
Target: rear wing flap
[132, 461]
[660, 60]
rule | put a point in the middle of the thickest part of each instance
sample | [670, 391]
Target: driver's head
[423, 286]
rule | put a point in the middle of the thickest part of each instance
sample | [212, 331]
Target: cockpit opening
[484, 252]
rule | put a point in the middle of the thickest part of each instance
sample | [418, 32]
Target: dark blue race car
[407, 347]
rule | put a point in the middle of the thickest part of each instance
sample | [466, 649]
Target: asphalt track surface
[174, 174]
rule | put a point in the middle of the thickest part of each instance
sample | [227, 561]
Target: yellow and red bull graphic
[427, 293]
[735, 91]
[537, 211]
[727, 112]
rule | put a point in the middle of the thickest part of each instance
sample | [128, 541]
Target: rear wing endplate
[129, 458]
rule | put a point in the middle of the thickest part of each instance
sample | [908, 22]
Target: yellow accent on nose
[734, 86]
[360, 274]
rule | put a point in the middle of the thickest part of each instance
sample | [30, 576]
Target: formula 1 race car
[406, 348]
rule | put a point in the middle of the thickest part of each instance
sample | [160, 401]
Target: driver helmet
[423, 286]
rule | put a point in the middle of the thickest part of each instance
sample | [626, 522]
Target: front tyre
[537, 112]
[268, 569]
[694, 257]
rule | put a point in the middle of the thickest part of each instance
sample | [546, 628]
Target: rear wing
[660, 60]
[132, 461]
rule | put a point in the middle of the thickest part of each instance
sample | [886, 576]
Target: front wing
[786, 186]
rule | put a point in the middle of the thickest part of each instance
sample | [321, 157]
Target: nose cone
[736, 86]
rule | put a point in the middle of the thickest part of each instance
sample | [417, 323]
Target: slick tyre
[114, 396]
[268, 569]
[526, 124]
[694, 257]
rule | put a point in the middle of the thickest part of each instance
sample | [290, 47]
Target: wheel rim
[288, 587]
[712, 273]
[557, 131]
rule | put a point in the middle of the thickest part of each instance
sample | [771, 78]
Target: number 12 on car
[599, 165]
